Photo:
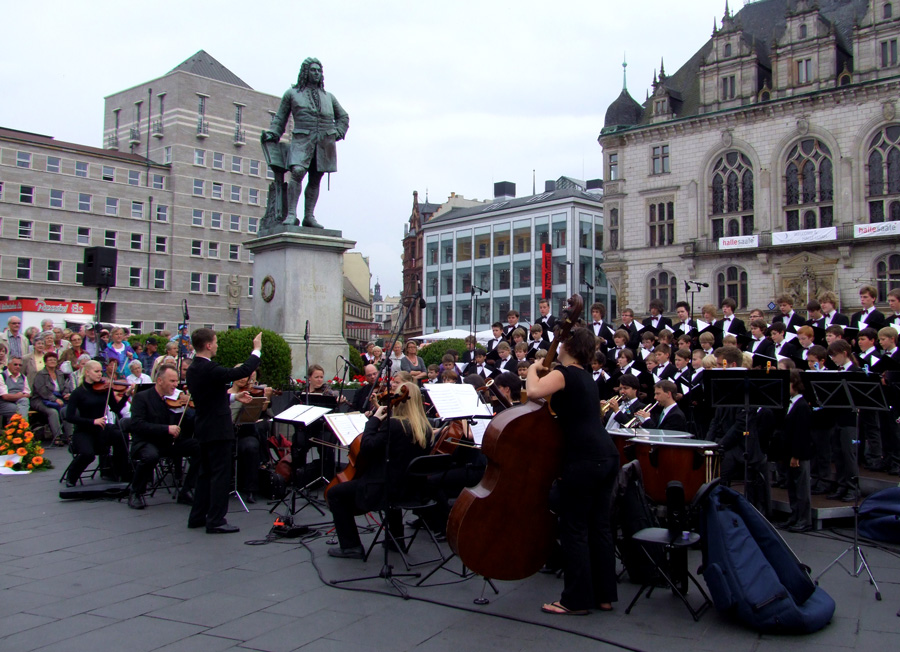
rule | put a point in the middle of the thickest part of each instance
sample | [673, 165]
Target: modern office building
[769, 163]
[488, 257]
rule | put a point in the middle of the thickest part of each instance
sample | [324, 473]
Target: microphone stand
[184, 322]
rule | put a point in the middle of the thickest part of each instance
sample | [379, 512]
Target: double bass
[503, 527]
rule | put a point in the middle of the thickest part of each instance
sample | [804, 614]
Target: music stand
[747, 388]
[249, 414]
[858, 391]
[294, 489]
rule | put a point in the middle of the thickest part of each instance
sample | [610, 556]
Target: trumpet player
[622, 407]
[665, 415]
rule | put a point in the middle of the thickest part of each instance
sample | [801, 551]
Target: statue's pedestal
[305, 268]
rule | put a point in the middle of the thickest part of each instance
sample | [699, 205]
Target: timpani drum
[664, 459]
[623, 439]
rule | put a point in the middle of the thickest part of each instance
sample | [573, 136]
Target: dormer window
[803, 30]
[660, 107]
[887, 11]
[726, 52]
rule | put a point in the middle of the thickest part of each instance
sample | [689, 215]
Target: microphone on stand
[350, 364]
[306, 332]
[422, 302]
[184, 309]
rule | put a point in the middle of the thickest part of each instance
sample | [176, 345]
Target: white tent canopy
[456, 333]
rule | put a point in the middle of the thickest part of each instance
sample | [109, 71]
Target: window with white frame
[195, 281]
[235, 193]
[159, 279]
[200, 157]
[137, 327]
[661, 220]
[23, 269]
[162, 213]
[198, 187]
[54, 233]
[253, 196]
[212, 249]
[56, 198]
[196, 247]
[79, 273]
[167, 154]
[23, 160]
[81, 169]
[159, 182]
[108, 173]
[54, 271]
[112, 206]
[234, 252]
[254, 167]
[161, 244]
[216, 190]
[659, 156]
[109, 239]
[215, 220]
[26, 194]
[134, 277]
[197, 217]
[212, 283]
[236, 164]
[84, 202]
[26, 228]
[613, 166]
[84, 236]
[252, 224]
[137, 210]
[804, 71]
[134, 178]
[235, 222]
[250, 287]
[53, 164]
[159, 326]
[137, 241]
[218, 161]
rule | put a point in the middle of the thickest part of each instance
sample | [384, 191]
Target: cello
[503, 527]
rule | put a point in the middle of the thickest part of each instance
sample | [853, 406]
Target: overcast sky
[443, 96]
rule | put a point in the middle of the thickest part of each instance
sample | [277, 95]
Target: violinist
[88, 409]
[360, 401]
[408, 434]
[251, 439]
[582, 496]
[325, 466]
[509, 387]
[157, 430]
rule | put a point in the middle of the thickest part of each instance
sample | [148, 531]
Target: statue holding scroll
[319, 122]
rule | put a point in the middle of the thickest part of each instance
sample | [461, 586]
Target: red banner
[55, 307]
[546, 271]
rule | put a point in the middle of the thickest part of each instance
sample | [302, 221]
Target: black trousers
[213, 484]
[249, 457]
[342, 503]
[87, 445]
[145, 456]
[583, 500]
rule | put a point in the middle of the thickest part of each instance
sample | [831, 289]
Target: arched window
[809, 186]
[803, 30]
[732, 282]
[887, 10]
[884, 175]
[663, 286]
[726, 51]
[887, 275]
[732, 195]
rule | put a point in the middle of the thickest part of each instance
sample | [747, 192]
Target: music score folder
[346, 427]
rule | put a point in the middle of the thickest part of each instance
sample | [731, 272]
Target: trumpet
[635, 421]
[606, 406]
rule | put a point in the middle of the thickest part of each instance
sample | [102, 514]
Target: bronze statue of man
[319, 122]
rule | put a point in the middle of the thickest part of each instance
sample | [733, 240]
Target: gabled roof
[204, 65]
[352, 294]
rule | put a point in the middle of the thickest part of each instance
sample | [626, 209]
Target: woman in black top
[87, 411]
[583, 494]
[409, 436]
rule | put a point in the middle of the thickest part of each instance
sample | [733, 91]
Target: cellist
[582, 495]
[409, 436]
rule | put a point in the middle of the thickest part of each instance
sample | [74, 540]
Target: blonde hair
[411, 413]
[710, 361]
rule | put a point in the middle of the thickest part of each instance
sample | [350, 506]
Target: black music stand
[249, 414]
[747, 388]
[858, 391]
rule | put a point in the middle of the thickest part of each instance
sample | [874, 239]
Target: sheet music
[701, 325]
[455, 401]
[346, 427]
[304, 414]
[478, 430]
[461, 366]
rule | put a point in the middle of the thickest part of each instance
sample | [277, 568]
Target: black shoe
[440, 537]
[415, 524]
[136, 501]
[347, 553]
[70, 484]
[185, 497]
[250, 499]
[850, 497]
[819, 491]
[194, 526]
[837, 495]
[225, 528]
[787, 525]
[799, 528]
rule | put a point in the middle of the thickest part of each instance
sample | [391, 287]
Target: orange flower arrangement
[20, 440]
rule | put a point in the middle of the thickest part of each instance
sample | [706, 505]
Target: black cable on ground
[525, 621]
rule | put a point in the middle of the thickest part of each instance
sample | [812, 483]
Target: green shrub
[356, 358]
[236, 344]
[433, 353]
[142, 339]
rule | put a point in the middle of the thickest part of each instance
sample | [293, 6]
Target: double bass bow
[503, 527]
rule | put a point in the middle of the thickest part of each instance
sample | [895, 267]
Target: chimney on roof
[594, 186]
[550, 185]
[504, 190]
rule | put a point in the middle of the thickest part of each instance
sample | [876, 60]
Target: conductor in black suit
[208, 384]
[666, 415]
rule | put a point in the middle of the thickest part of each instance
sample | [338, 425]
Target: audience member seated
[137, 377]
[50, 391]
[15, 391]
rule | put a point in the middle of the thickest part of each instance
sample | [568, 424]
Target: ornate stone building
[768, 163]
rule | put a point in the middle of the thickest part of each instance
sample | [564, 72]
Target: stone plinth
[304, 267]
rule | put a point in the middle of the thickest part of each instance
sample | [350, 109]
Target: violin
[355, 465]
[183, 400]
[260, 390]
[118, 387]
[503, 528]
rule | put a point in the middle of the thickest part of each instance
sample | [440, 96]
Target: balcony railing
[158, 130]
[710, 246]
[112, 141]
[240, 136]
[202, 128]
[134, 135]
